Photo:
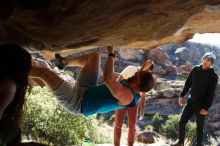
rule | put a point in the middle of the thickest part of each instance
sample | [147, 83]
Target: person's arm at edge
[187, 84]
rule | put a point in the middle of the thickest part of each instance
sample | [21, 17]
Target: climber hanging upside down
[84, 96]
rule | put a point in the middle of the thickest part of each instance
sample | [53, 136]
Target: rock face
[159, 55]
[165, 100]
[147, 137]
[185, 68]
[70, 24]
[173, 59]
[163, 57]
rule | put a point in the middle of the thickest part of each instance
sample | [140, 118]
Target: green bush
[46, 121]
[157, 122]
[182, 77]
[149, 128]
[170, 129]
[191, 131]
[100, 133]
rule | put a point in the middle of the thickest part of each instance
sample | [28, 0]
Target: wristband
[111, 54]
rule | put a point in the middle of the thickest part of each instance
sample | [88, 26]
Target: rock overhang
[71, 26]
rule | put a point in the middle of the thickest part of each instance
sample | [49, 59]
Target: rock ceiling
[76, 25]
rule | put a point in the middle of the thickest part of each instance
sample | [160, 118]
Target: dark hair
[145, 80]
[15, 64]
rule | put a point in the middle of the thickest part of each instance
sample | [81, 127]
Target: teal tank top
[98, 99]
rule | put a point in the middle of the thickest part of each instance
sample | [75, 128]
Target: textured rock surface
[70, 24]
[147, 137]
[165, 100]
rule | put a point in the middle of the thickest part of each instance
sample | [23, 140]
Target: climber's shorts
[70, 92]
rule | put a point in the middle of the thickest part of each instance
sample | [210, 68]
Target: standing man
[128, 72]
[202, 82]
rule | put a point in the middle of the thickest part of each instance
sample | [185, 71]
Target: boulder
[147, 137]
[183, 54]
[171, 70]
[159, 71]
[128, 54]
[163, 106]
[168, 92]
[185, 68]
[159, 56]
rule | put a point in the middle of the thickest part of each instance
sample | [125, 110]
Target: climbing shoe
[59, 62]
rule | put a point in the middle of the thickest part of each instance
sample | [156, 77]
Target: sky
[207, 38]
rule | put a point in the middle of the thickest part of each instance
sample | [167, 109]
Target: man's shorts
[70, 92]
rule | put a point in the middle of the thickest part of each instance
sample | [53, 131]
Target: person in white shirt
[128, 72]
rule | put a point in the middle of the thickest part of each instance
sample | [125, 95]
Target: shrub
[170, 129]
[149, 128]
[191, 132]
[157, 122]
[100, 133]
[182, 77]
[46, 121]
